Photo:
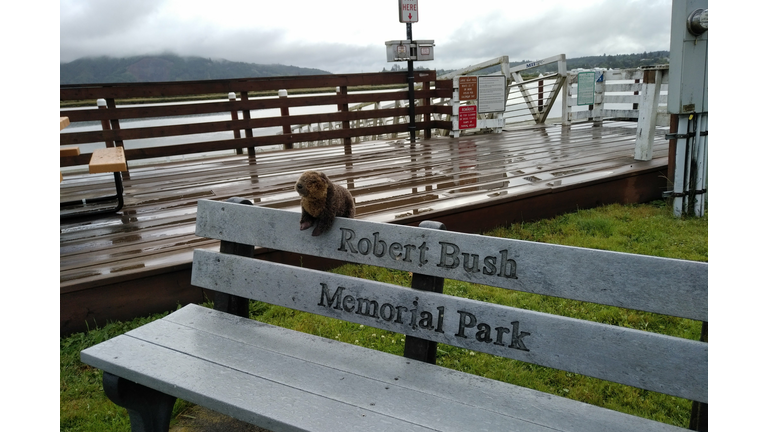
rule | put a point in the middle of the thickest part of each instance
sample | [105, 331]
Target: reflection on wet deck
[391, 181]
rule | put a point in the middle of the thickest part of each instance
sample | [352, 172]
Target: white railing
[619, 94]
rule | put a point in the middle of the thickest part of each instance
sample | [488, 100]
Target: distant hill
[616, 61]
[94, 70]
[170, 67]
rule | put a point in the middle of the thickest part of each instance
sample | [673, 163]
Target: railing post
[102, 104]
[427, 118]
[285, 112]
[646, 122]
[112, 124]
[115, 123]
[395, 119]
[341, 93]
[247, 116]
[541, 94]
[566, 101]
[232, 98]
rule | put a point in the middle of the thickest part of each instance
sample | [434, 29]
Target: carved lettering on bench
[451, 255]
[416, 317]
[485, 334]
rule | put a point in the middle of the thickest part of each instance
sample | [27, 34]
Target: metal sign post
[410, 50]
[409, 13]
[411, 96]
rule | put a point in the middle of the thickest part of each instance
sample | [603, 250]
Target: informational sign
[468, 117]
[585, 88]
[467, 88]
[491, 92]
[409, 11]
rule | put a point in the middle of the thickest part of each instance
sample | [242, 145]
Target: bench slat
[69, 151]
[603, 277]
[107, 160]
[642, 359]
[229, 391]
[253, 362]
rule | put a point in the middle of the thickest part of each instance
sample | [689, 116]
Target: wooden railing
[111, 115]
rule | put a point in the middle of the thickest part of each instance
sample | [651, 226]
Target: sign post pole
[411, 96]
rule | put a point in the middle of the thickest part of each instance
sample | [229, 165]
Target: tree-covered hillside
[618, 61]
[168, 68]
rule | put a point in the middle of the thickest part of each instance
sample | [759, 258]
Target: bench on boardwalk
[281, 379]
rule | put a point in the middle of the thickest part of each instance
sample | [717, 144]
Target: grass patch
[83, 405]
[648, 229]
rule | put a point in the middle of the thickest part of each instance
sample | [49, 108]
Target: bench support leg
[149, 410]
[699, 411]
[416, 348]
[229, 303]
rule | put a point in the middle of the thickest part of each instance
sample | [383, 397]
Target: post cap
[101, 102]
[282, 93]
[232, 96]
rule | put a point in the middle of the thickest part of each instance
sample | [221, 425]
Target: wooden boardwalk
[137, 261]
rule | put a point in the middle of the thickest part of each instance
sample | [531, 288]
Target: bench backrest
[646, 360]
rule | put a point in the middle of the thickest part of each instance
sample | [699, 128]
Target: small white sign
[490, 93]
[409, 10]
[585, 88]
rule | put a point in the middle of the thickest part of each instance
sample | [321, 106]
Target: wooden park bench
[281, 379]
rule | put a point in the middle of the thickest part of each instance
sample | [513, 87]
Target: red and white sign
[468, 117]
[409, 10]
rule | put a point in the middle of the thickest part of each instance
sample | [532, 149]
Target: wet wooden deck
[137, 261]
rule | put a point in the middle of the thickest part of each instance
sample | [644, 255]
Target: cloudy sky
[346, 36]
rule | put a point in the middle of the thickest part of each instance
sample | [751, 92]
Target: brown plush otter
[322, 201]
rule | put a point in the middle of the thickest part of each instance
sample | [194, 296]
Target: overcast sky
[346, 36]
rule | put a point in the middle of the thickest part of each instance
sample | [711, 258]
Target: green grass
[644, 229]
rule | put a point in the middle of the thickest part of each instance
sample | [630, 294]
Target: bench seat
[107, 160]
[282, 379]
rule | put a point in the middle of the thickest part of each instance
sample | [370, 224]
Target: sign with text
[467, 88]
[491, 93]
[409, 11]
[585, 88]
[468, 117]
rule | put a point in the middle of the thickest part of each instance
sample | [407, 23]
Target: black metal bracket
[117, 196]
[671, 136]
[673, 194]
